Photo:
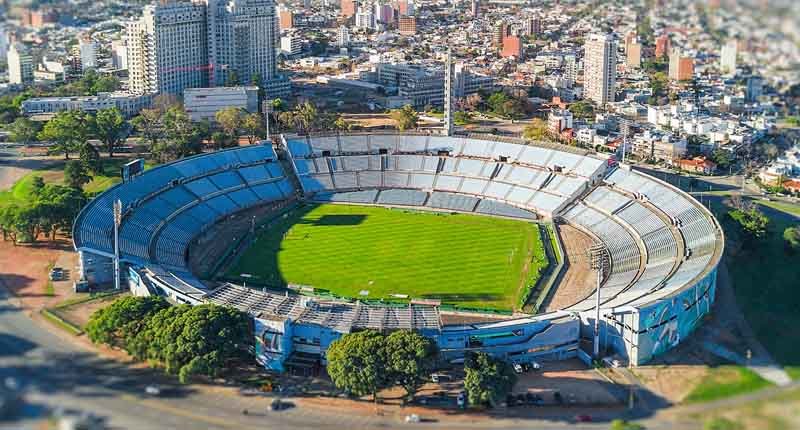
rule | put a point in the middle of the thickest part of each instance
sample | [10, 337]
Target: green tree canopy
[68, 130]
[23, 130]
[357, 363]
[487, 379]
[405, 118]
[410, 358]
[76, 175]
[253, 126]
[189, 340]
[536, 130]
[109, 128]
[752, 222]
[230, 119]
[791, 239]
[119, 322]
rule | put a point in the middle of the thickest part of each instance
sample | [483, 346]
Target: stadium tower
[448, 94]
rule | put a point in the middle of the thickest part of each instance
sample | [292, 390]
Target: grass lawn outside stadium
[471, 261]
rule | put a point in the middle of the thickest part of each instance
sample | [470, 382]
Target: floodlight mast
[598, 259]
[117, 222]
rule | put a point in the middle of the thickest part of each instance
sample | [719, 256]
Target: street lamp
[598, 260]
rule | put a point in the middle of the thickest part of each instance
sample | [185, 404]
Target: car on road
[413, 418]
[152, 390]
[56, 274]
[279, 405]
[583, 418]
[461, 400]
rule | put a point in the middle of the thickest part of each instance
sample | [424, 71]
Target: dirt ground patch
[578, 280]
[24, 270]
[79, 313]
[674, 382]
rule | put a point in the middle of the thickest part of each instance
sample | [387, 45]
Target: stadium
[319, 236]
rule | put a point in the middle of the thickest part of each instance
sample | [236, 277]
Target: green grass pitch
[466, 260]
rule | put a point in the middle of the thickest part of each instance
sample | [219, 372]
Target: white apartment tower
[727, 58]
[168, 48]
[570, 69]
[600, 68]
[243, 38]
[88, 52]
[20, 65]
[343, 37]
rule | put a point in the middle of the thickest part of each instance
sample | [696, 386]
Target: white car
[413, 418]
[517, 368]
[152, 390]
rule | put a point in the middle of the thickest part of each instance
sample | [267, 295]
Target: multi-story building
[168, 49]
[570, 70]
[633, 55]
[662, 46]
[87, 50]
[343, 36]
[291, 45]
[285, 17]
[681, 67]
[600, 68]
[242, 39]
[512, 47]
[476, 8]
[559, 120]
[348, 8]
[727, 57]
[533, 25]
[407, 25]
[119, 55]
[20, 65]
[365, 18]
[384, 13]
[128, 104]
[659, 146]
[424, 86]
[204, 103]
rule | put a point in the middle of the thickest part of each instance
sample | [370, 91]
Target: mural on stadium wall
[273, 342]
[671, 320]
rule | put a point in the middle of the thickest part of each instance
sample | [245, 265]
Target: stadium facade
[664, 247]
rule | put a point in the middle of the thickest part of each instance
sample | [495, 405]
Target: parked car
[279, 405]
[56, 274]
[80, 286]
[518, 368]
[413, 418]
[583, 418]
[152, 390]
[461, 400]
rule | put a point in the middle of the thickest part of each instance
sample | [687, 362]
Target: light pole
[598, 259]
[245, 276]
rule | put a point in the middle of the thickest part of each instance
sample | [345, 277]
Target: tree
[181, 137]
[472, 102]
[357, 363]
[752, 222]
[190, 340]
[90, 157]
[462, 117]
[118, 323]
[410, 358]
[405, 118]
[230, 119]
[536, 130]
[582, 109]
[487, 379]
[76, 175]
[232, 79]
[791, 239]
[149, 124]
[253, 125]
[220, 140]
[23, 130]
[68, 130]
[109, 126]
[342, 124]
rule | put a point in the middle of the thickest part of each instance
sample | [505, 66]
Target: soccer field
[466, 260]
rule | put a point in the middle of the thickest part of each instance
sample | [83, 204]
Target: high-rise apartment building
[512, 47]
[243, 37]
[727, 57]
[476, 8]
[20, 65]
[600, 68]
[285, 17]
[533, 25]
[348, 8]
[407, 25]
[570, 70]
[633, 55]
[87, 51]
[662, 46]
[365, 18]
[681, 67]
[343, 37]
[168, 49]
